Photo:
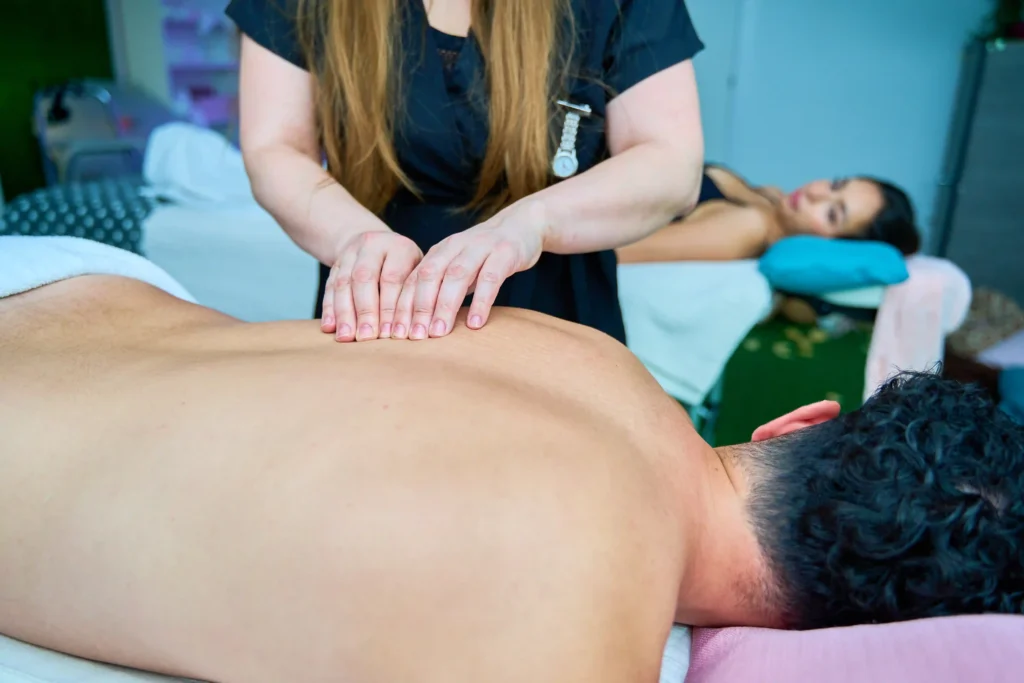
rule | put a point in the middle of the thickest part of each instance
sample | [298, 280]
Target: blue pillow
[814, 265]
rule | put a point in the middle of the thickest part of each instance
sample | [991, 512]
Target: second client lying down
[735, 220]
[189, 494]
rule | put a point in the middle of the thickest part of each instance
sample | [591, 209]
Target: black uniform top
[441, 139]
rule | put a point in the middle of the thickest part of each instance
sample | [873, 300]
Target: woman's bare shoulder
[736, 188]
[724, 175]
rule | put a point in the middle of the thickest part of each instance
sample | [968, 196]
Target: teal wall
[793, 90]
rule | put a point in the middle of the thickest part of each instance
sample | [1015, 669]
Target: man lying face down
[186, 493]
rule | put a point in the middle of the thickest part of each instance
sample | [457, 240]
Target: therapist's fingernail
[344, 332]
[385, 331]
[327, 322]
[399, 331]
[418, 331]
[365, 332]
[476, 322]
[437, 329]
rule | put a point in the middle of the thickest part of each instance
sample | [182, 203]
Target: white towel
[195, 166]
[685, 320]
[22, 663]
[30, 262]
[675, 662]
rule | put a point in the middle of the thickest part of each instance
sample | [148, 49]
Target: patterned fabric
[993, 318]
[107, 211]
[781, 366]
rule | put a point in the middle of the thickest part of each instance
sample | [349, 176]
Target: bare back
[186, 493]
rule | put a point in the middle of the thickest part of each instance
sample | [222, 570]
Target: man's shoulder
[603, 376]
[613, 600]
[532, 326]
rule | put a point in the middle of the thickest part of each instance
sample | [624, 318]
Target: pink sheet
[915, 318]
[971, 649]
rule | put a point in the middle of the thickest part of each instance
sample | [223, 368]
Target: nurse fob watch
[565, 164]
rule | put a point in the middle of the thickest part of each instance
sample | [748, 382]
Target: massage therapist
[485, 147]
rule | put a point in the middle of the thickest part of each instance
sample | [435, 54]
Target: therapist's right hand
[365, 283]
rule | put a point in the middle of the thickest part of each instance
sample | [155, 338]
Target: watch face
[565, 165]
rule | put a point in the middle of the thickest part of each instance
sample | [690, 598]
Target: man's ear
[808, 416]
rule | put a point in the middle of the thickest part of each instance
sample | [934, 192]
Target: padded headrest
[949, 650]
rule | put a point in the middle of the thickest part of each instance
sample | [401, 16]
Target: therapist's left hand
[476, 262]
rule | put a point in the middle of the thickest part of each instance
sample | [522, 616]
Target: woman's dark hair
[895, 224]
[911, 507]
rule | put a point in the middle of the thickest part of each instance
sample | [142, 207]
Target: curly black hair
[911, 507]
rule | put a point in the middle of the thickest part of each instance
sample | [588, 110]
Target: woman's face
[832, 208]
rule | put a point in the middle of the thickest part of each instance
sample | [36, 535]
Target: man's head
[911, 507]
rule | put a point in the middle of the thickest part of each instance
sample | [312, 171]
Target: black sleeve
[272, 24]
[649, 36]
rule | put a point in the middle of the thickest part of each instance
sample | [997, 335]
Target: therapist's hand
[476, 261]
[365, 283]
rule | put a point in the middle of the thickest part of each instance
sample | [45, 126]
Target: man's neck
[722, 570]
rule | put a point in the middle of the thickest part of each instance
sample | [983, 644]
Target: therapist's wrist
[533, 213]
[355, 232]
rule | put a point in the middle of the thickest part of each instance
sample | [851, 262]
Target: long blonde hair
[354, 50]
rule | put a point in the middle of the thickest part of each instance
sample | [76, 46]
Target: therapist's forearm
[621, 200]
[316, 212]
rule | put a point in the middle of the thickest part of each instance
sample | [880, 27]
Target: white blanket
[30, 262]
[685, 320]
[22, 663]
